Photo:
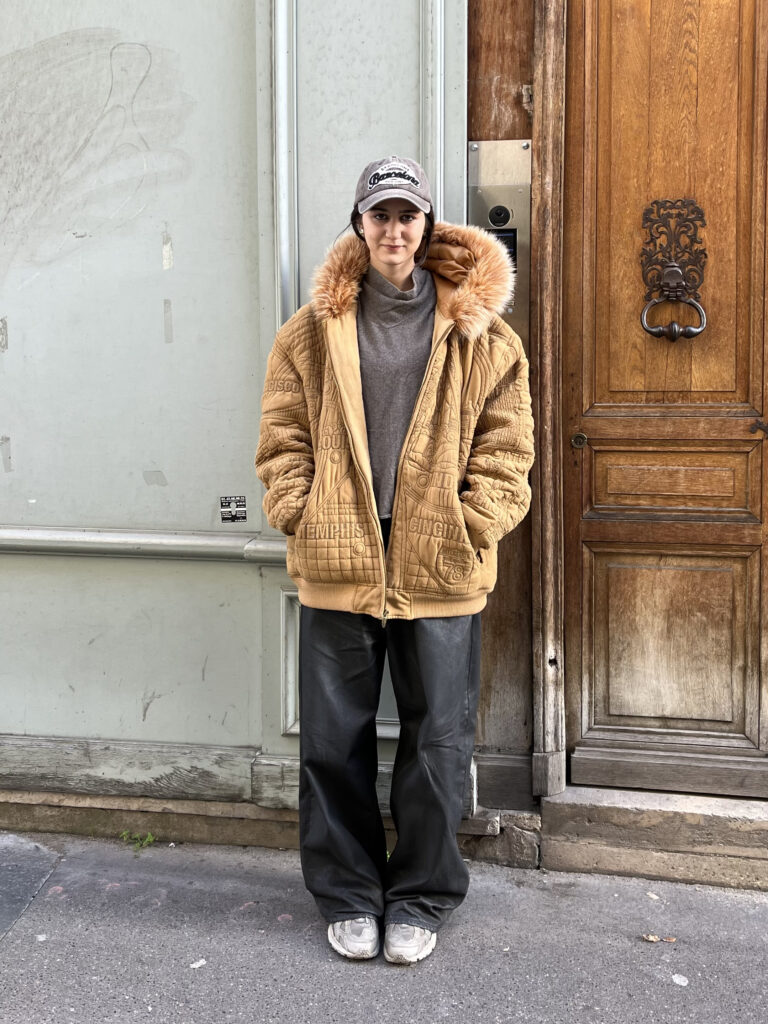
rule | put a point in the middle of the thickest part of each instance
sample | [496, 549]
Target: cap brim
[393, 193]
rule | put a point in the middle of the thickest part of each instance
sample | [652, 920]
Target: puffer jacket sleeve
[495, 493]
[285, 461]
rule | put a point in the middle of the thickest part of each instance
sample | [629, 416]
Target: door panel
[673, 114]
[665, 489]
[634, 478]
[673, 639]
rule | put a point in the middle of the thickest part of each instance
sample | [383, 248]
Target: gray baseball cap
[393, 177]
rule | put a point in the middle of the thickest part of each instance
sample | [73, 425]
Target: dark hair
[421, 253]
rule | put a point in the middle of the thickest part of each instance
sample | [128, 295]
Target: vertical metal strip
[432, 113]
[289, 662]
[285, 13]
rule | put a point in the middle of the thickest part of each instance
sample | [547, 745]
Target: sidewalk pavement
[91, 931]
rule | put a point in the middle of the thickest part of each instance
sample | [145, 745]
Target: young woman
[395, 444]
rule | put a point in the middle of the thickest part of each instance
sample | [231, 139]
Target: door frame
[600, 750]
[549, 755]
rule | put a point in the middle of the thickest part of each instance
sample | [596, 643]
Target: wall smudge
[87, 125]
[154, 478]
[167, 251]
[146, 702]
[3, 335]
[168, 321]
[5, 454]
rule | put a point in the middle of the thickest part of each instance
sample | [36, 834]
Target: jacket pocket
[487, 568]
[290, 554]
[467, 538]
[484, 560]
[337, 542]
[440, 559]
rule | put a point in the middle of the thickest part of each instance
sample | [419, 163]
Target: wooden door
[665, 503]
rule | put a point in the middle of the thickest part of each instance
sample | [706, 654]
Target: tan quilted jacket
[462, 476]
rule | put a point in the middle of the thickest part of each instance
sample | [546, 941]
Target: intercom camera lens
[499, 216]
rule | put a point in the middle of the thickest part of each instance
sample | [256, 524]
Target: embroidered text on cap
[398, 171]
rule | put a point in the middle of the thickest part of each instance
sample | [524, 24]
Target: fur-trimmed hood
[474, 276]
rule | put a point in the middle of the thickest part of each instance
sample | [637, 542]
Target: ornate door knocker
[673, 262]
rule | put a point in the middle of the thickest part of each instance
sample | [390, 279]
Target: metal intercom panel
[499, 200]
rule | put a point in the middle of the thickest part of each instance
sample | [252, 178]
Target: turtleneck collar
[378, 283]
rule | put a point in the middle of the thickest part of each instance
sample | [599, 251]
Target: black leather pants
[435, 669]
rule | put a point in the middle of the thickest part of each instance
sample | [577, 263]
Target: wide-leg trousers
[435, 669]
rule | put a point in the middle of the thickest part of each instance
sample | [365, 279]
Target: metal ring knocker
[674, 330]
[673, 263]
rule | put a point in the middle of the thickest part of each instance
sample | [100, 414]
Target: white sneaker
[407, 943]
[357, 939]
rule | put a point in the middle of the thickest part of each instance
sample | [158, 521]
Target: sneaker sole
[345, 952]
[401, 960]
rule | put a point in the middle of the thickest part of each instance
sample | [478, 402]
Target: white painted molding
[142, 544]
[284, 93]
[432, 112]
[290, 610]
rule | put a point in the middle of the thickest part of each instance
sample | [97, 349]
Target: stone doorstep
[677, 837]
[517, 844]
[672, 836]
[201, 821]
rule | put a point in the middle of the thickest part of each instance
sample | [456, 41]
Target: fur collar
[473, 273]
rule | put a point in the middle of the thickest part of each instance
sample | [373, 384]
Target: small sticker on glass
[233, 509]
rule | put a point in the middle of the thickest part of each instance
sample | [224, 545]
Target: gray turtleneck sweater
[394, 337]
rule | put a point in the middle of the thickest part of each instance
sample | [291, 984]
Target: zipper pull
[384, 617]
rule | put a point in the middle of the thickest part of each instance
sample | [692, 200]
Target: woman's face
[393, 232]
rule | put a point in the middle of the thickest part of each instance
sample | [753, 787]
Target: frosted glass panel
[129, 365]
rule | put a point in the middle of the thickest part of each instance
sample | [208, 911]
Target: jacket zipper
[368, 495]
[382, 554]
[417, 408]
[414, 417]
